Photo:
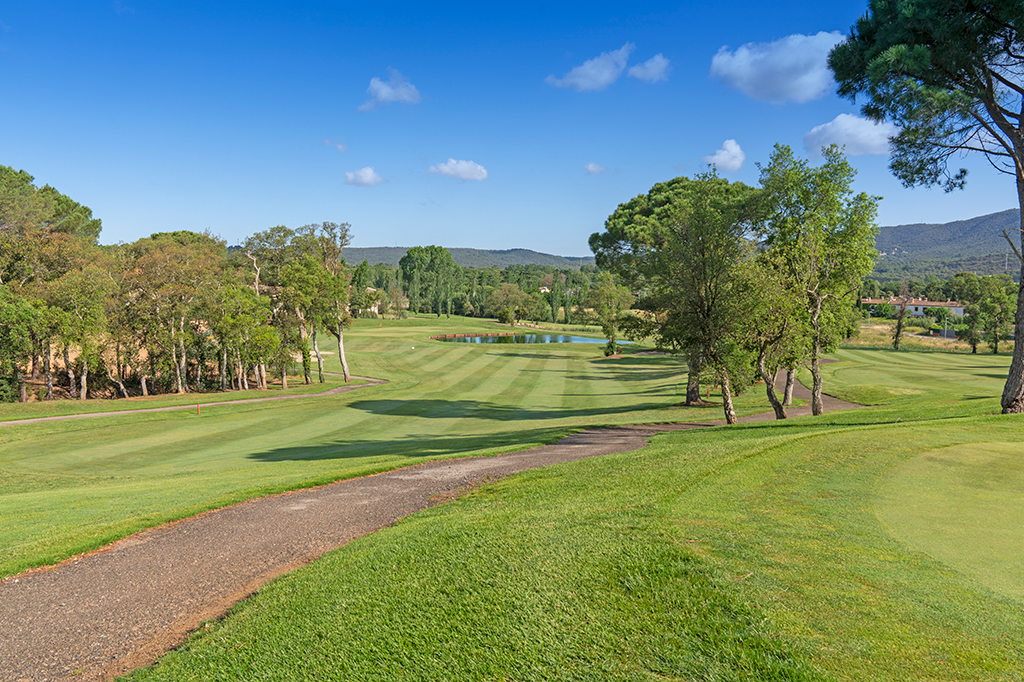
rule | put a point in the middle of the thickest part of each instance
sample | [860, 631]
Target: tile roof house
[917, 306]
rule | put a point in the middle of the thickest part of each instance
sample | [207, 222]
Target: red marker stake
[197, 410]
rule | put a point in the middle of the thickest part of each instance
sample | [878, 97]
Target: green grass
[881, 543]
[68, 487]
[56, 408]
[807, 549]
[963, 504]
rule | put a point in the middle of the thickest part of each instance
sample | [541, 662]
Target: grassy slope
[743, 553]
[67, 487]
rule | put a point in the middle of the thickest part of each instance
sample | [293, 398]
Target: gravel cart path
[102, 614]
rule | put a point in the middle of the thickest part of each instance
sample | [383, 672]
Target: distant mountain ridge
[975, 245]
[979, 236]
[470, 258]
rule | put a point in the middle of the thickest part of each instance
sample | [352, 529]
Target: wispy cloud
[594, 169]
[597, 73]
[340, 146]
[122, 8]
[859, 136]
[463, 170]
[653, 70]
[364, 177]
[729, 157]
[794, 68]
[397, 89]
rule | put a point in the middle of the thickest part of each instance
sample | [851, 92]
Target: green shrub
[8, 390]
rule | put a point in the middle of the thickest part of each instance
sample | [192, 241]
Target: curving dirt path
[370, 381]
[100, 615]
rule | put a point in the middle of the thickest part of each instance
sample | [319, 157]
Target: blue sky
[520, 125]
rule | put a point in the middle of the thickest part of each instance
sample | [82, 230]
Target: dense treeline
[182, 312]
[898, 269]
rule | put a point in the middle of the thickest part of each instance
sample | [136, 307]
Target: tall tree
[825, 237]
[331, 239]
[950, 75]
[610, 301]
[18, 320]
[682, 246]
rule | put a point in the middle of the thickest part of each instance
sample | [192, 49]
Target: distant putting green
[964, 505]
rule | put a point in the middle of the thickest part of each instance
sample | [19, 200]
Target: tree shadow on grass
[429, 408]
[413, 446]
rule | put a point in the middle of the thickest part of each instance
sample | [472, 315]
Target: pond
[525, 338]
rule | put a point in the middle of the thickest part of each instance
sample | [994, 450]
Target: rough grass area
[743, 553]
[68, 487]
[878, 335]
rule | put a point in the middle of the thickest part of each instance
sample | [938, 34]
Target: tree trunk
[20, 378]
[730, 413]
[71, 372]
[49, 372]
[769, 382]
[84, 393]
[262, 375]
[790, 383]
[284, 377]
[183, 359]
[341, 351]
[1013, 391]
[177, 367]
[224, 368]
[693, 366]
[145, 391]
[116, 380]
[319, 357]
[304, 335]
[816, 405]
[243, 373]
[35, 357]
[817, 408]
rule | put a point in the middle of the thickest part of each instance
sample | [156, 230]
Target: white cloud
[597, 73]
[397, 89]
[364, 177]
[729, 157]
[794, 68]
[859, 135]
[340, 146]
[464, 170]
[653, 70]
[594, 169]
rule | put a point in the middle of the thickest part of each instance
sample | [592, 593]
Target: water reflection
[526, 338]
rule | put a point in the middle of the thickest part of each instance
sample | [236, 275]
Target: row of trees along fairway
[950, 75]
[741, 279]
[176, 312]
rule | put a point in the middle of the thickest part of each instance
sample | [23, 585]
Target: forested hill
[976, 245]
[960, 239]
[471, 258]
